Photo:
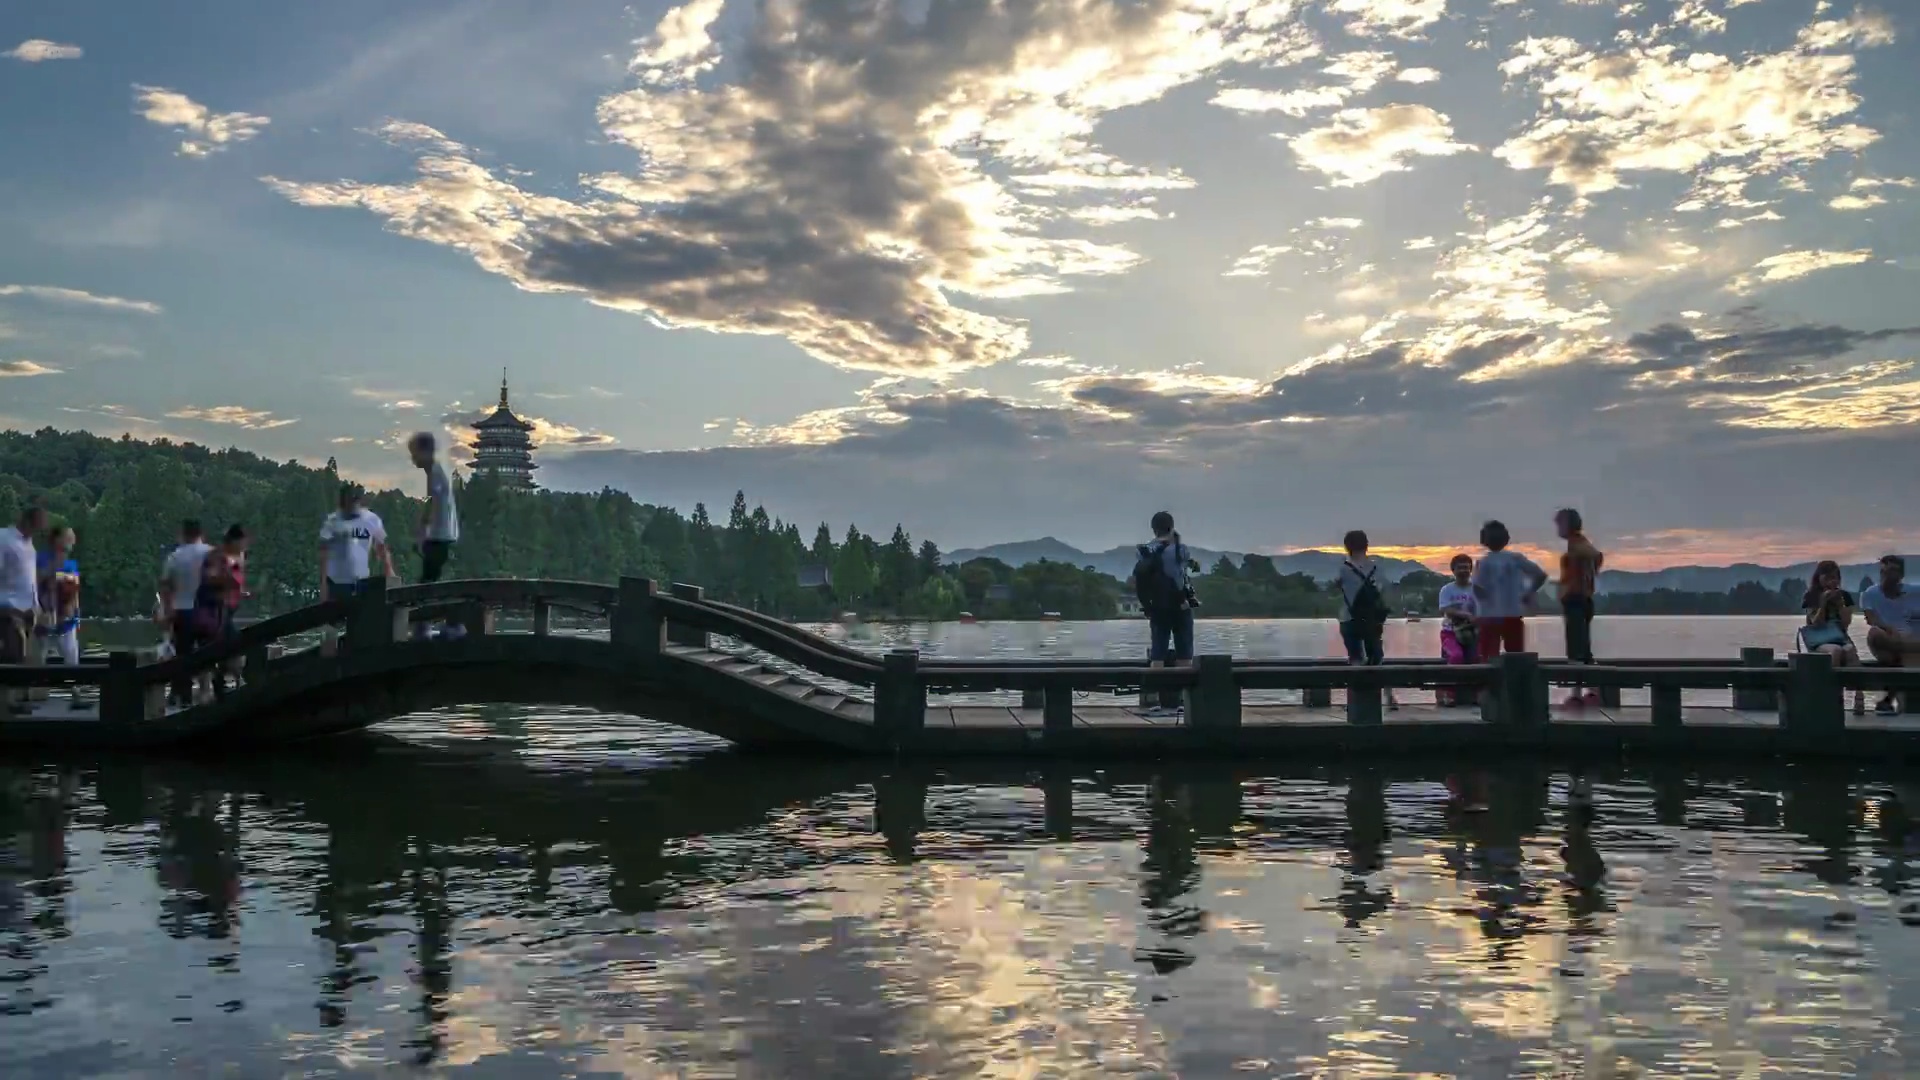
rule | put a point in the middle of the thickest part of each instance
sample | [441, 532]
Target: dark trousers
[1576, 612]
[433, 563]
[1170, 642]
[186, 639]
[1365, 645]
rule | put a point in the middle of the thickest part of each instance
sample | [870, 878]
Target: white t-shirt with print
[443, 521]
[1455, 595]
[182, 573]
[1503, 579]
[349, 542]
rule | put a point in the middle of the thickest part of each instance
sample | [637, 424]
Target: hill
[1118, 561]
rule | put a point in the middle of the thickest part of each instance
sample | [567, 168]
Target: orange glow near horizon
[1681, 547]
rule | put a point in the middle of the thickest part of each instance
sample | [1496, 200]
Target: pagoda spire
[503, 387]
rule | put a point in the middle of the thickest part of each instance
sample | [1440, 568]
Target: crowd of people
[1484, 607]
[202, 586]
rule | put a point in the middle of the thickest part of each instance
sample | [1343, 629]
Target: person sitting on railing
[1893, 619]
[1459, 640]
[1829, 611]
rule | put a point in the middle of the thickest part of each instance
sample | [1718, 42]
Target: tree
[929, 560]
[853, 574]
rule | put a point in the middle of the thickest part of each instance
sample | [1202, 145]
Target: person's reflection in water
[1170, 871]
[199, 865]
[49, 814]
[433, 922]
[1820, 806]
[1366, 834]
[1585, 868]
[1497, 862]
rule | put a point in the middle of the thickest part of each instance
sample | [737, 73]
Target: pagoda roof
[503, 418]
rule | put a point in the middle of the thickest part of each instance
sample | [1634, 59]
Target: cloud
[406, 133]
[235, 415]
[1659, 108]
[1790, 265]
[20, 369]
[863, 172]
[459, 423]
[1394, 18]
[1362, 145]
[54, 294]
[205, 131]
[1752, 408]
[1353, 73]
[39, 50]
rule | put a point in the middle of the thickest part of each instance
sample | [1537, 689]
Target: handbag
[1820, 635]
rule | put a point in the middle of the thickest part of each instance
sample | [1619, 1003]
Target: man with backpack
[1165, 592]
[1363, 607]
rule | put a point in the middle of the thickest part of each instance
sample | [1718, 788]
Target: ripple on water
[558, 892]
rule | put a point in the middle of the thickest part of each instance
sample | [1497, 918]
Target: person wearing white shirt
[1503, 586]
[1893, 622]
[19, 594]
[179, 592]
[439, 527]
[1458, 642]
[352, 539]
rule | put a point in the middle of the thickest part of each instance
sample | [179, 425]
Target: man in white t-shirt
[179, 592]
[439, 527]
[1893, 622]
[19, 593]
[352, 539]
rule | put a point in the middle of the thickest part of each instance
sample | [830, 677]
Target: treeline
[1255, 589]
[126, 497]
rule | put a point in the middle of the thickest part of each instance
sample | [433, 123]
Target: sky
[998, 270]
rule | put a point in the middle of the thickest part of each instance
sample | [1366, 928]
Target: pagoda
[504, 449]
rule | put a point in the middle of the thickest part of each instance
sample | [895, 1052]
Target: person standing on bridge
[180, 580]
[351, 539]
[439, 527]
[19, 595]
[1160, 580]
[1579, 585]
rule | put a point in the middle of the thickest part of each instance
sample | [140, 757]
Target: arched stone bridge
[675, 656]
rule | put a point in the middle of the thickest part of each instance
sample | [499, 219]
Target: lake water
[521, 892]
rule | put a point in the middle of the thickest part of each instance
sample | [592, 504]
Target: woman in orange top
[1579, 582]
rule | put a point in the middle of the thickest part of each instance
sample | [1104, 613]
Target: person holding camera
[1162, 583]
[1829, 611]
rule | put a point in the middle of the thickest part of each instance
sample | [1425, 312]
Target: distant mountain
[1323, 565]
[1118, 561]
[1722, 578]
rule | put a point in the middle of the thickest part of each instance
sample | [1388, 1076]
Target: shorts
[1363, 646]
[433, 558]
[343, 590]
[1170, 635]
[1508, 632]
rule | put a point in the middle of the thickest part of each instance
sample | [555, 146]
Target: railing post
[253, 666]
[1317, 697]
[474, 616]
[1756, 698]
[1363, 703]
[1610, 696]
[637, 624]
[1520, 689]
[900, 697]
[1056, 704]
[123, 697]
[1814, 703]
[1033, 699]
[370, 622]
[691, 636]
[1667, 710]
[542, 618]
[1214, 704]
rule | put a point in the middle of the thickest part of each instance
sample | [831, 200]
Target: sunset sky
[1004, 270]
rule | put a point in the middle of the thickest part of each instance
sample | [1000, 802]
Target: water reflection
[391, 904]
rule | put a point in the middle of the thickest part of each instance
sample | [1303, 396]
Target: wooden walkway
[762, 683]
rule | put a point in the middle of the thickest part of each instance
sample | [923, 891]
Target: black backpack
[1369, 608]
[1158, 592]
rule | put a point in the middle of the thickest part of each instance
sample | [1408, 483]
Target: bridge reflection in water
[386, 903]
